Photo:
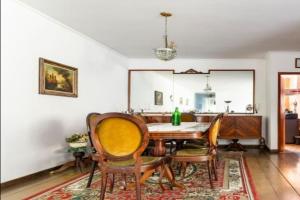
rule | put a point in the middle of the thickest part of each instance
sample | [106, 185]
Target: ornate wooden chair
[148, 151]
[120, 139]
[94, 162]
[188, 117]
[209, 155]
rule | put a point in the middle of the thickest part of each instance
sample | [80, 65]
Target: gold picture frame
[57, 79]
[158, 98]
[297, 62]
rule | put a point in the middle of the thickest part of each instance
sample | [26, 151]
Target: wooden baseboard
[246, 146]
[28, 177]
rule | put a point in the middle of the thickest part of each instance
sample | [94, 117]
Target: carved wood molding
[191, 71]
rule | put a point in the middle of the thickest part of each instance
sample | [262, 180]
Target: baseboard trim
[272, 150]
[28, 177]
[253, 146]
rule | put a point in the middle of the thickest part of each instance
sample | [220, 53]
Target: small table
[78, 154]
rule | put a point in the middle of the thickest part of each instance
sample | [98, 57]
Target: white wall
[143, 85]
[205, 64]
[34, 126]
[276, 62]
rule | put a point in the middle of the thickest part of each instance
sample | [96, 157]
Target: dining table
[161, 132]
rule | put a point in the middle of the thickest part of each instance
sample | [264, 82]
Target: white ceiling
[200, 28]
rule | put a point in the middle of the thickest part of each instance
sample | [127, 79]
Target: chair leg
[161, 174]
[138, 185]
[214, 162]
[94, 164]
[103, 185]
[184, 166]
[125, 181]
[209, 173]
[112, 182]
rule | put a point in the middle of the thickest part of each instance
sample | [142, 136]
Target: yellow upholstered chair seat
[192, 152]
[119, 137]
[146, 160]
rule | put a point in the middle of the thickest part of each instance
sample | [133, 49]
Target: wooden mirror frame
[190, 71]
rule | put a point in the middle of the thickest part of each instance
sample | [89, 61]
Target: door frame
[280, 120]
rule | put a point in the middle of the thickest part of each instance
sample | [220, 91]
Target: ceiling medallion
[168, 52]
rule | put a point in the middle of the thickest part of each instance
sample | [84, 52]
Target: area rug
[234, 183]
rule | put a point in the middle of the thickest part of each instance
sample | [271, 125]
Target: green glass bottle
[176, 117]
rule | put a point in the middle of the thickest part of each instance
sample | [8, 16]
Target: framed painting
[158, 98]
[297, 62]
[57, 79]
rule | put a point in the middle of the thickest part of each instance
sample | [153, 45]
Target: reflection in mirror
[218, 91]
[209, 95]
[151, 91]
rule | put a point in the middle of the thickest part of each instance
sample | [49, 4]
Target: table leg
[160, 148]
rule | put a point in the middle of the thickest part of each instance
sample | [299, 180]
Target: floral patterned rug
[234, 183]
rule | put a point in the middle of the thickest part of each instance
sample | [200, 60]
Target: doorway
[288, 111]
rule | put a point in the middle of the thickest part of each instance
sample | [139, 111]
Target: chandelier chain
[166, 32]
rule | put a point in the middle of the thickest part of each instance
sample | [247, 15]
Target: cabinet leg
[235, 146]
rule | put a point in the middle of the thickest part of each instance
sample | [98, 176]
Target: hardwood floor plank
[281, 186]
[261, 182]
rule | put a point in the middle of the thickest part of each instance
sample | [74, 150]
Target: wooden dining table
[161, 132]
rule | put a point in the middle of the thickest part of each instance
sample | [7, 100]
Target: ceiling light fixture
[168, 52]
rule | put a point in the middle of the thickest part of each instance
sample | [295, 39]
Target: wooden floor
[276, 176]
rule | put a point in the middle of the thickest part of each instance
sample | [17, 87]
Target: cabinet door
[227, 130]
[248, 127]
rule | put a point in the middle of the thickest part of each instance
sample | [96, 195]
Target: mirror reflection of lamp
[227, 106]
[207, 87]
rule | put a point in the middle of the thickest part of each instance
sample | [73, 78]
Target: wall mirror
[157, 91]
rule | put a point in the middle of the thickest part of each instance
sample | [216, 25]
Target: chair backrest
[188, 117]
[140, 117]
[88, 118]
[214, 131]
[118, 136]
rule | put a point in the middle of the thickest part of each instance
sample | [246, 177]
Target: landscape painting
[57, 79]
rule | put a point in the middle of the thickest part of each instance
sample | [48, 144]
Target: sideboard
[233, 127]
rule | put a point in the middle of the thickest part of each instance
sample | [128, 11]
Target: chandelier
[207, 87]
[168, 52]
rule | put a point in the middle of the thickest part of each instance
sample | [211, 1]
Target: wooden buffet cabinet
[242, 127]
[233, 127]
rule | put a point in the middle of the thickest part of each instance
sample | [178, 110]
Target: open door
[288, 93]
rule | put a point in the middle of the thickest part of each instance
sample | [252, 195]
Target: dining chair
[208, 155]
[94, 162]
[199, 143]
[149, 149]
[120, 140]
